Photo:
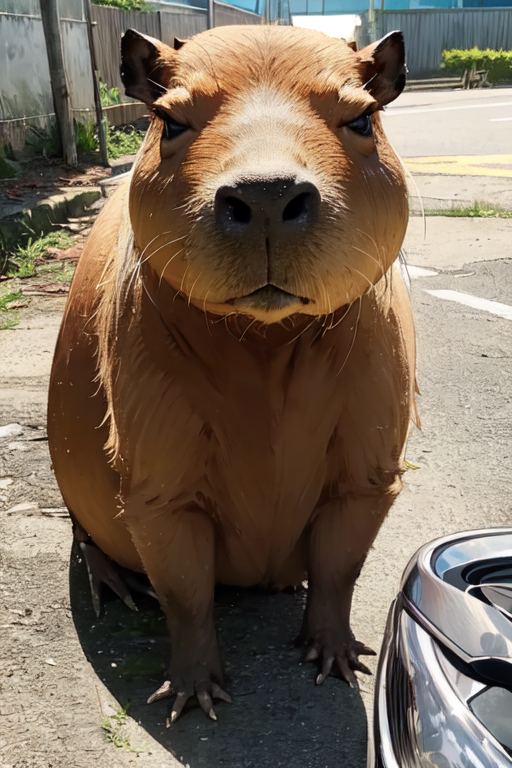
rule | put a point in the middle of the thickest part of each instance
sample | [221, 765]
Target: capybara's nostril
[303, 207]
[238, 210]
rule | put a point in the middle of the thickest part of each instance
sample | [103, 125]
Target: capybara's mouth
[269, 299]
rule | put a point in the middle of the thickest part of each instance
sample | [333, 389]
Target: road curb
[42, 218]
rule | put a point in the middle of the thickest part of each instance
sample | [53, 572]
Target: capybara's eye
[362, 125]
[172, 129]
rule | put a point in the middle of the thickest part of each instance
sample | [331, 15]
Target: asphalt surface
[451, 123]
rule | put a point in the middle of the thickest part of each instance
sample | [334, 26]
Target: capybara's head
[266, 185]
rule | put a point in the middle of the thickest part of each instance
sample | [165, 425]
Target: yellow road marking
[463, 165]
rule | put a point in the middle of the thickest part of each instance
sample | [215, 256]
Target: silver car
[443, 694]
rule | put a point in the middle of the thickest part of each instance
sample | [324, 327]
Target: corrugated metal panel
[427, 33]
[164, 25]
[77, 62]
[111, 24]
[181, 25]
[228, 14]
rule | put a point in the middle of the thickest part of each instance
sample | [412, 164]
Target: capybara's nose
[279, 206]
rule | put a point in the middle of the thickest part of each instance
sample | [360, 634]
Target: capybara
[234, 377]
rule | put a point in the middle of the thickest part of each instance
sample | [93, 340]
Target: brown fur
[202, 436]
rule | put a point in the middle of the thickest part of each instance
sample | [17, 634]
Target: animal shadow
[278, 717]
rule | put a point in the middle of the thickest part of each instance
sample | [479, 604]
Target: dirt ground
[74, 687]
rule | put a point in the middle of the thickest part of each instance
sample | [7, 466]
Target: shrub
[85, 136]
[498, 63]
[126, 5]
[123, 141]
[109, 96]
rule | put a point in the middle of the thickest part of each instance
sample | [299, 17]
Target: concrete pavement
[441, 191]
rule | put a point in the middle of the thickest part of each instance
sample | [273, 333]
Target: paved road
[436, 123]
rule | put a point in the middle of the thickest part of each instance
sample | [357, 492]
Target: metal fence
[26, 102]
[428, 32]
[180, 21]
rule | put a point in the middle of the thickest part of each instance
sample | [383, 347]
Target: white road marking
[420, 271]
[494, 307]
[498, 119]
[400, 111]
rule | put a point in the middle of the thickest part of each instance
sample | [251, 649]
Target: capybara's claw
[163, 692]
[100, 568]
[205, 692]
[344, 661]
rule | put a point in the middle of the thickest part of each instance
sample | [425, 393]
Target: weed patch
[123, 141]
[478, 210]
[112, 729]
[61, 272]
[8, 318]
[85, 137]
[24, 257]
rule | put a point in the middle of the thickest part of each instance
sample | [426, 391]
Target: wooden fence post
[102, 133]
[60, 90]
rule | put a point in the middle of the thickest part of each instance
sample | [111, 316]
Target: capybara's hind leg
[177, 549]
[339, 540]
[102, 570]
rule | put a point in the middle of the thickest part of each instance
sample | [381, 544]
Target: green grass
[85, 137]
[112, 735]
[8, 318]
[111, 727]
[123, 141]
[61, 271]
[24, 256]
[478, 210]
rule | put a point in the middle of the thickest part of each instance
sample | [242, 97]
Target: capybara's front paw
[185, 688]
[341, 658]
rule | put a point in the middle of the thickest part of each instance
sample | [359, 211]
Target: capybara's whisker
[267, 447]
[193, 286]
[167, 264]
[356, 326]
[249, 325]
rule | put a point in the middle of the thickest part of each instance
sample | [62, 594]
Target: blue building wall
[314, 7]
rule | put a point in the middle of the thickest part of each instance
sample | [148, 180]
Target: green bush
[123, 141]
[85, 136]
[126, 5]
[109, 96]
[498, 63]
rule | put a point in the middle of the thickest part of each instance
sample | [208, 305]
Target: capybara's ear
[385, 69]
[145, 66]
[352, 45]
[178, 43]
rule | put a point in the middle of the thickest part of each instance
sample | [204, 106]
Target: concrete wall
[25, 91]
[25, 78]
